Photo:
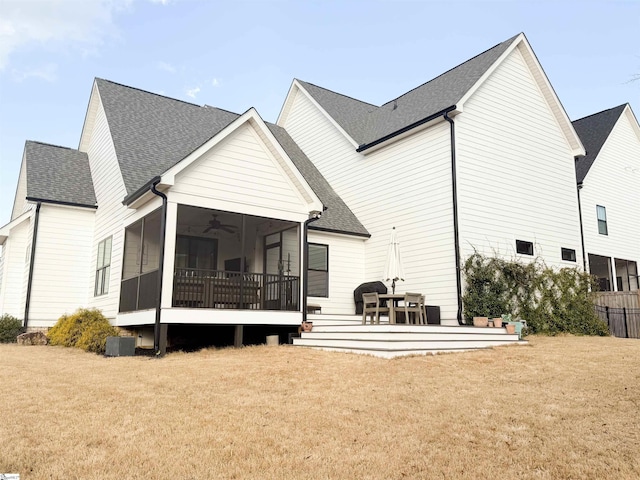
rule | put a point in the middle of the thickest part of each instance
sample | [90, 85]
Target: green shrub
[551, 300]
[10, 328]
[87, 329]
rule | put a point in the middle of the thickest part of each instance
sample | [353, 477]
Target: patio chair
[414, 304]
[372, 307]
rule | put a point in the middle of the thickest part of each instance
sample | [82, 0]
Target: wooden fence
[618, 299]
[622, 322]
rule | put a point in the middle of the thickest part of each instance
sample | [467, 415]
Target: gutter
[584, 253]
[366, 146]
[163, 232]
[456, 232]
[33, 257]
[59, 202]
[313, 216]
[341, 232]
[150, 185]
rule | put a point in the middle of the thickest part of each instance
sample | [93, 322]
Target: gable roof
[152, 133]
[366, 123]
[594, 130]
[58, 174]
[367, 126]
[338, 217]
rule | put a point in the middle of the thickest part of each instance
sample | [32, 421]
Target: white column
[169, 254]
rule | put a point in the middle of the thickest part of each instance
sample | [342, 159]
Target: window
[523, 247]
[103, 267]
[602, 220]
[568, 254]
[197, 253]
[318, 270]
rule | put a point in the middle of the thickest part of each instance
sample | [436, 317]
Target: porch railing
[198, 288]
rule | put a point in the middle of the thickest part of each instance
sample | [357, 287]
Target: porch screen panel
[140, 264]
[151, 247]
[131, 258]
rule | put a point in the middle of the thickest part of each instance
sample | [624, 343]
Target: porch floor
[390, 341]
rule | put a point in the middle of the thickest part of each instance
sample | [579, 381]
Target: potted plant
[480, 321]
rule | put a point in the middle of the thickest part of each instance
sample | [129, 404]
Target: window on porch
[626, 275]
[600, 267]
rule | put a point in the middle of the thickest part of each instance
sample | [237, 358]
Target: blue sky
[238, 54]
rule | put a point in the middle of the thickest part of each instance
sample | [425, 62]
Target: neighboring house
[227, 197]
[481, 158]
[609, 182]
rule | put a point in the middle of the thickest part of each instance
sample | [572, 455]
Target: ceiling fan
[214, 224]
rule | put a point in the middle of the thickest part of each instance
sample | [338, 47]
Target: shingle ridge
[221, 109]
[451, 69]
[150, 93]
[52, 145]
[338, 93]
[600, 112]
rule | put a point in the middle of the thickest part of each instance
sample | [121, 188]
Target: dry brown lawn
[565, 407]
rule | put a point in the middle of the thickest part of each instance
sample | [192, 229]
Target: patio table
[392, 302]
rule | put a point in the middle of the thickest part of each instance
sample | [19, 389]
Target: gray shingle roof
[366, 123]
[593, 132]
[338, 217]
[152, 133]
[58, 174]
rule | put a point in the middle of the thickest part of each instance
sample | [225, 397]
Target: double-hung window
[318, 270]
[103, 267]
[602, 220]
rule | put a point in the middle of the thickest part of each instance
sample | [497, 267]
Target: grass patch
[562, 407]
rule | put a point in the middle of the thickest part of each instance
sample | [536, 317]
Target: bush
[10, 328]
[87, 329]
[551, 301]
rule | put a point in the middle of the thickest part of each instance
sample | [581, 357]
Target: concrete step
[396, 340]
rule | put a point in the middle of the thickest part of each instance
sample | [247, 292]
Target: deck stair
[390, 341]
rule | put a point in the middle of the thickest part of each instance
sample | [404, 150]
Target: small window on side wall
[524, 248]
[568, 254]
[318, 270]
[103, 268]
[602, 220]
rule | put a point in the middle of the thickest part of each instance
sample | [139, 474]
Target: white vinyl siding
[406, 184]
[614, 181]
[240, 175]
[346, 271]
[12, 290]
[516, 174]
[109, 217]
[63, 251]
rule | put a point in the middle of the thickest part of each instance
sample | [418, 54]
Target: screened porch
[221, 260]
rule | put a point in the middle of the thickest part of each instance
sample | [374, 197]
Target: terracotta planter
[480, 321]
[511, 328]
[497, 322]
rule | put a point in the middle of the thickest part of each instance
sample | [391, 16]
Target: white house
[215, 203]
[171, 215]
[609, 181]
[481, 158]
